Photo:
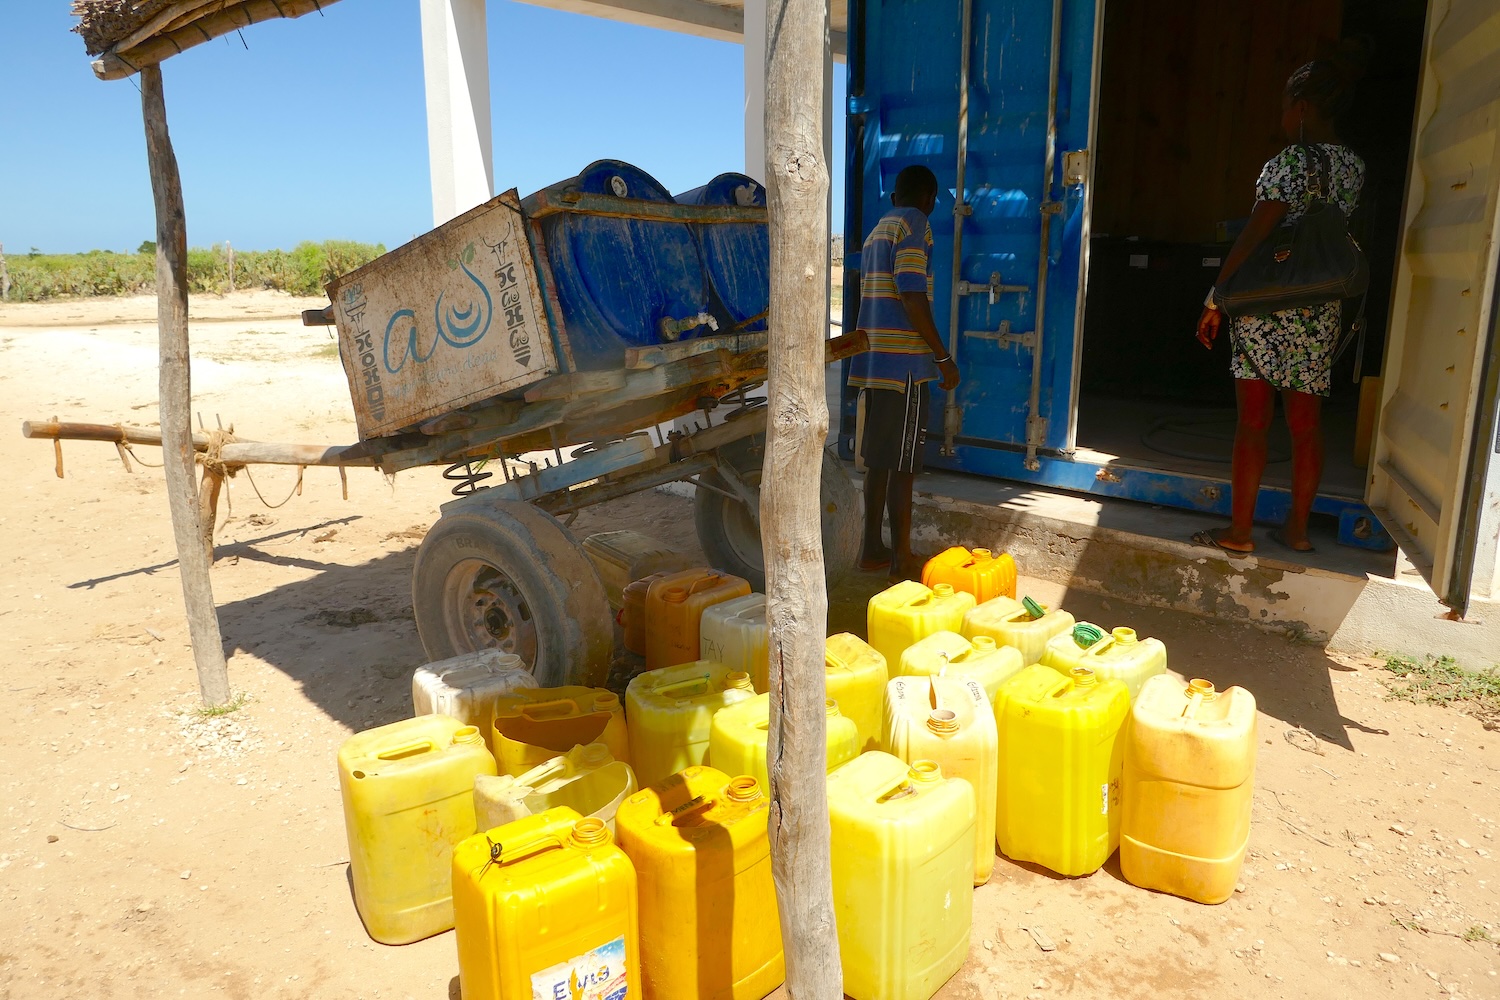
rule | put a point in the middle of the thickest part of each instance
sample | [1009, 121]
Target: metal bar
[612, 489]
[1036, 424]
[551, 201]
[951, 417]
[614, 457]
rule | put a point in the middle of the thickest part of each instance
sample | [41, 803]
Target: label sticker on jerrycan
[595, 975]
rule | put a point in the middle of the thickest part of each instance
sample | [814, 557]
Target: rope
[296, 488]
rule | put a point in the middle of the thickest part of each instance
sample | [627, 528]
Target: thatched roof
[129, 34]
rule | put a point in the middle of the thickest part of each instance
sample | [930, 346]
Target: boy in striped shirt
[906, 352]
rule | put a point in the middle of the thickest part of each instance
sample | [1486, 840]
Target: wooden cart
[529, 445]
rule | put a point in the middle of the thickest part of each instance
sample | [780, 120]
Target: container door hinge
[1004, 337]
[1036, 436]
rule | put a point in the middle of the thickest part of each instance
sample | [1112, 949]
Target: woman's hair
[1328, 83]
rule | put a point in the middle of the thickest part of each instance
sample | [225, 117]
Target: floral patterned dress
[1293, 349]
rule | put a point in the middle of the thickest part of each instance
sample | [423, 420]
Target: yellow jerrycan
[950, 653]
[674, 610]
[671, 711]
[738, 736]
[903, 874]
[1060, 761]
[466, 686]
[534, 725]
[1023, 625]
[586, 779]
[950, 721]
[980, 572]
[1117, 655]
[854, 677]
[908, 611]
[1189, 776]
[408, 791]
[734, 633]
[545, 907]
[709, 925]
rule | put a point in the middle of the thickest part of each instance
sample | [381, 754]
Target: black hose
[1190, 427]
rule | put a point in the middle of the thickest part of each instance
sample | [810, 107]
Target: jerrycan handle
[545, 709]
[711, 580]
[691, 807]
[1198, 692]
[406, 750]
[669, 690]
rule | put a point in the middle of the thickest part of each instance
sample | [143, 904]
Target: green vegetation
[1438, 680]
[1477, 933]
[232, 705]
[303, 270]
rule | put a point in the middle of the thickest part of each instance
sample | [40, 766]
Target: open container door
[993, 96]
[1435, 480]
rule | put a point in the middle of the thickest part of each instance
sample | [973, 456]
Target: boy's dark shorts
[895, 430]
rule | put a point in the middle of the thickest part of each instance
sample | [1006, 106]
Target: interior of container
[1189, 109]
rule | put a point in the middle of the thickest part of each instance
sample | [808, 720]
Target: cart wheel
[730, 536]
[500, 574]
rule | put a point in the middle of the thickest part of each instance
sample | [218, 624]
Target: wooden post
[229, 250]
[175, 393]
[791, 522]
[4, 277]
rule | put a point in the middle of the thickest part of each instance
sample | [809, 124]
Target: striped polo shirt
[896, 258]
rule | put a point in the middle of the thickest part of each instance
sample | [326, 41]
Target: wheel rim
[486, 609]
[741, 531]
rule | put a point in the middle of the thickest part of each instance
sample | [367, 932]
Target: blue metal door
[1025, 110]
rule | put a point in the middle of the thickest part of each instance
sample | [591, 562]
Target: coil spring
[466, 477]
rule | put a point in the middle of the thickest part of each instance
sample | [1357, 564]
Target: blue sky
[317, 130]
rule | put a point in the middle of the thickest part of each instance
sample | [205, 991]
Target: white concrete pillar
[456, 70]
[755, 89]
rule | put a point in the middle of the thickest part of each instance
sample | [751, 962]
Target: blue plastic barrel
[737, 256]
[619, 282]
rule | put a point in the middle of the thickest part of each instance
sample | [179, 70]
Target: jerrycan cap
[590, 832]
[1123, 636]
[831, 707]
[1200, 688]
[1085, 635]
[595, 754]
[467, 735]
[606, 701]
[742, 788]
[925, 771]
[675, 595]
[1033, 609]
[942, 721]
[739, 680]
[1083, 677]
[942, 590]
[982, 554]
[983, 643]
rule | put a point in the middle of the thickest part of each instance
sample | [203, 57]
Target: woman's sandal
[1278, 535]
[1206, 539]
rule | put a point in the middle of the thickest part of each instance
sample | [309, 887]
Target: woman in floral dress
[1289, 352]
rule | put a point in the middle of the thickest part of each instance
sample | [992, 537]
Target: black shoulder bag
[1305, 263]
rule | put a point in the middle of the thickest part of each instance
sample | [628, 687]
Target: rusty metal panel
[451, 318]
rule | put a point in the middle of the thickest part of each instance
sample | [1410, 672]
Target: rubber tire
[728, 536]
[568, 608]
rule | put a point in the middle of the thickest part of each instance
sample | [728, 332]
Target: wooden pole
[4, 276]
[229, 251]
[175, 392]
[791, 523]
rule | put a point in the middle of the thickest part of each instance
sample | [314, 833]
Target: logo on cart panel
[460, 326]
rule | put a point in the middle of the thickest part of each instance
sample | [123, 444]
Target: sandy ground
[145, 851]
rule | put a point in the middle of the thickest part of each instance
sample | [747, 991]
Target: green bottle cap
[1086, 635]
[1033, 609]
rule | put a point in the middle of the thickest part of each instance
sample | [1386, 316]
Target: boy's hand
[1208, 326]
[949, 370]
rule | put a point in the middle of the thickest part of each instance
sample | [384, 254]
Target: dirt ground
[145, 851]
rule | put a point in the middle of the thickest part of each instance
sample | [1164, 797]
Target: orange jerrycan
[671, 712]
[545, 907]
[532, 726]
[855, 676]
[734, 633]
[1189, 775]
[949, 720]
[408, 791]
[909, 611]
[586, 779]
[674, 608]
[951, 654]
[1027, 627]
[1060, 760]
[709, 925]
[903, 874]
[1117, 655]
[633, 612]
[980, 572]
[737, 740]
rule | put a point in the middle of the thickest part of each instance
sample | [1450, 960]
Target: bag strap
[1320, 170]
